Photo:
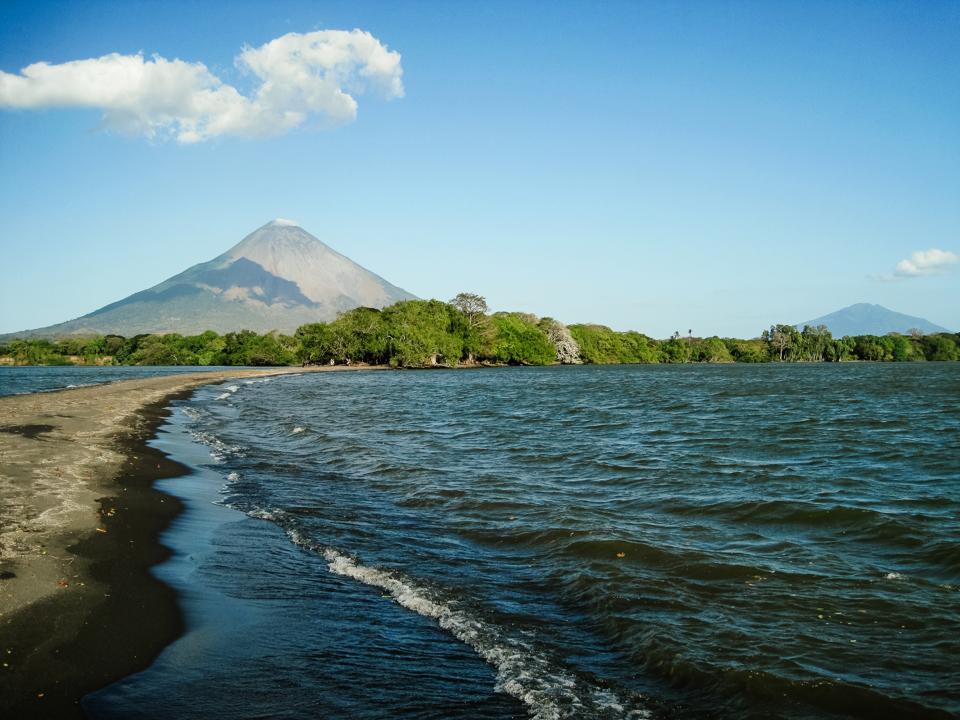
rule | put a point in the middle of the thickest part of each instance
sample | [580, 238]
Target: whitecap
[550, 691]
[219, 450]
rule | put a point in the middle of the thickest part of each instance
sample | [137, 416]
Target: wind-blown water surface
[600, 542]
[15, 380]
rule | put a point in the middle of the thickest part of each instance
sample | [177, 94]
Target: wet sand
[79, 528]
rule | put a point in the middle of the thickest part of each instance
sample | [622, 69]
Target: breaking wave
[549, 690]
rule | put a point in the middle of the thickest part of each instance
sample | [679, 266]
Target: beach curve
[79, 531]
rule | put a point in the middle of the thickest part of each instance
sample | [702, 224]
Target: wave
[230, 390]
[548, 689]
[800, 513]
[219, 450]
[193, 413]
[687, 567]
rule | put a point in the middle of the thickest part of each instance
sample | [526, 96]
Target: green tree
[902, 348]
[748, 351]
[872, 348]
[518, 341]
[813, 343]
[711, 350]
[113, 344]
[598, 344]
[942, 347]
[161, 350]
[675, 350]
[473, 306]
[315, 344]
[781, 339]
[423, 332]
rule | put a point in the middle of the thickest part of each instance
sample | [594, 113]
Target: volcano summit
[277, 278]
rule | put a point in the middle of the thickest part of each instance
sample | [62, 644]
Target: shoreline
[80, 527]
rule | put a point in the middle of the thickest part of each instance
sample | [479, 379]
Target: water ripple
[721, 542]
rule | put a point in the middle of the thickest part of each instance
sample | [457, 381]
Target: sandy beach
[79, 523]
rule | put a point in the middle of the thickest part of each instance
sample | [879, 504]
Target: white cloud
[297, 76]
[925, 262]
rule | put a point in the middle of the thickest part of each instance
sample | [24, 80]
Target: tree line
[431, 333]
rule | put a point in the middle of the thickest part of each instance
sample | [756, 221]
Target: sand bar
[79, 522]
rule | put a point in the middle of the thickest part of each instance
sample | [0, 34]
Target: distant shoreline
[79, 529]
[417, 334]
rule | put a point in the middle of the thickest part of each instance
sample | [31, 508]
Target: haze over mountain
[277, 278]
[867, 319]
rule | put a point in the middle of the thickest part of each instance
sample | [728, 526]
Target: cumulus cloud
[296, 77]
[925, 262]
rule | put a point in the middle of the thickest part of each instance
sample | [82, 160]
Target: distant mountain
[277, 278]
[867, 319]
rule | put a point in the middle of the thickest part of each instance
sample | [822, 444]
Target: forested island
[431, 333]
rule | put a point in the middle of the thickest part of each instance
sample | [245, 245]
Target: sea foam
[550, 691]
[219, 450]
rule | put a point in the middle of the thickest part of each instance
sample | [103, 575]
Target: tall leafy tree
[781, 340]
[473, 306]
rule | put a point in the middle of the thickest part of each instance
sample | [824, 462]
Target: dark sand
[113, 617]
[79, 529]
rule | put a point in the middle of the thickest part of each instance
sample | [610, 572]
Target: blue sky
[651, 166]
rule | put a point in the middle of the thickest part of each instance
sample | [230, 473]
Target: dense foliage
[423, 333]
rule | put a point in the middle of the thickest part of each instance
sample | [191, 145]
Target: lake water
[777, 541]
[43, 378]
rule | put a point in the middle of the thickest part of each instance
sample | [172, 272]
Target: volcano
[867, 319]
[277, 278]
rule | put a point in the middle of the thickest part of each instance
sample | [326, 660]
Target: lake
[648, 541]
